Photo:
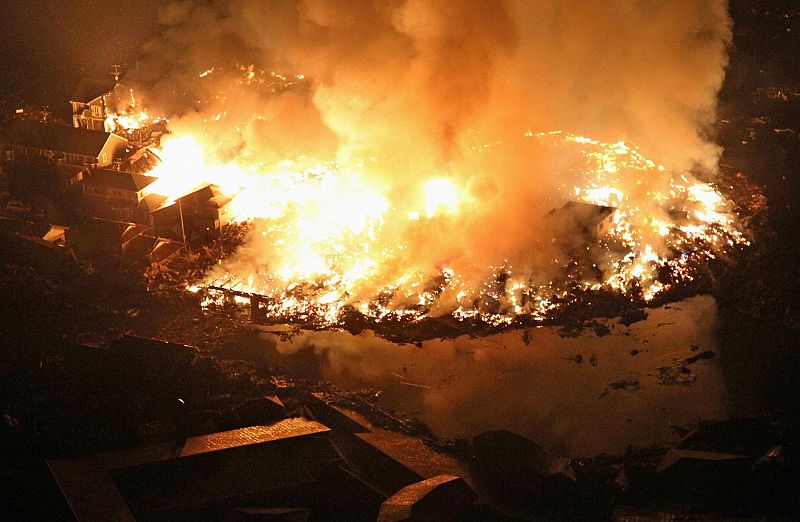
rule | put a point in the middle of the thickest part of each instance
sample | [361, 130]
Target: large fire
[400, 160]
[332, 234]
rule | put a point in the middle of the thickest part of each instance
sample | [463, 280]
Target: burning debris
[353, 196]
[424, 170]
[308, 284]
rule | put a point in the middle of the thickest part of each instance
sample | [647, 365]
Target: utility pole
[183, 230]
[116, 71]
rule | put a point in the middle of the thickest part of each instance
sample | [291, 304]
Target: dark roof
[152, 202]
[206, 195]
[90, 88]
[229, 460]
[165, 250]
[58, 138]
[587, 214]
[677, 457]
[145, 351]
[746, 436]
[134, 230]
[119, 180]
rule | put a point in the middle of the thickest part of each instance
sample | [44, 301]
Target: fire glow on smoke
[413, 179]
[325, 224]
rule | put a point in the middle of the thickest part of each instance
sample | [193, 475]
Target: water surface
[556, 390]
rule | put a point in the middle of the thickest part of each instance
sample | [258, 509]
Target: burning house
[196, 216]
[586, 220]
[64, 145]
[92, 101]
[140, 161]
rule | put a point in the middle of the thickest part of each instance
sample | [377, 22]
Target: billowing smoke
[403, 92]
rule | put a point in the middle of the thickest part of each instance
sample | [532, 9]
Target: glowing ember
[323, 233]
[129, 117]
[400, 160]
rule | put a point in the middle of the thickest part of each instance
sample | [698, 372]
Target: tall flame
[327, 230]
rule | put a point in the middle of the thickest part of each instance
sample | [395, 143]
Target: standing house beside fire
[64, 145]
[113, 194]
[91, 101]
[199, 215]
[69, 176]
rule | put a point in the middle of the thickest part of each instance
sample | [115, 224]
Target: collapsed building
[140, 161]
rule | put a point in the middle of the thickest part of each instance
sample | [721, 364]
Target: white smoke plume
[406, 91]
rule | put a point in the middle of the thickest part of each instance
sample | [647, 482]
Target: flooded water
[578, 396]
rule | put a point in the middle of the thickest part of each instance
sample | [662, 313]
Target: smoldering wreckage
[130, 227]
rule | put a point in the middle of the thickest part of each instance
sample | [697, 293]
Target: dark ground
[759, 333]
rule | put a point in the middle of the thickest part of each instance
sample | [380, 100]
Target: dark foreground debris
[444, 497]
[153, 410]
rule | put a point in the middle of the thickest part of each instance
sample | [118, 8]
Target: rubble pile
[192, 265]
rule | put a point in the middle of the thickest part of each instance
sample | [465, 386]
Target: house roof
[165, 250]
[206, 195]
[674, 456]
[58, 138]
[119, 180]
[152, 202]
[134, 230]
[291, 445]
[90, 88]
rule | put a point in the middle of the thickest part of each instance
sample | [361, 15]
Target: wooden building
[64, 145]
[199, 215]
[112, 194]
[93, 99]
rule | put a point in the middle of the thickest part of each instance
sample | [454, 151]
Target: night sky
[47, 45]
